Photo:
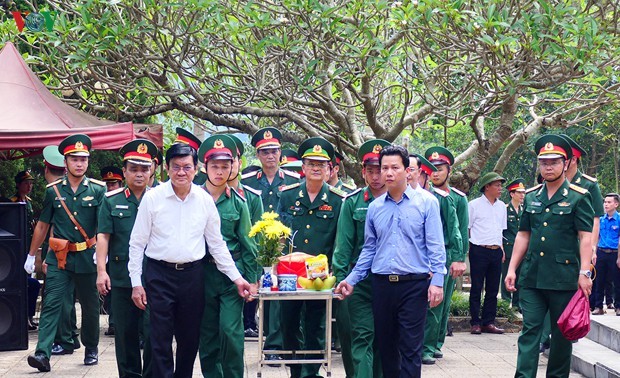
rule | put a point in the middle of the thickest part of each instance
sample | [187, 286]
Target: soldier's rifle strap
[89, 242]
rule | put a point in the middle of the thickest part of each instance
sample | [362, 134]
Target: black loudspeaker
[13, 278]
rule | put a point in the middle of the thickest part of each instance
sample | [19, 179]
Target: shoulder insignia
[114, 192]
[533, 188]
[97, 182]
[458, 192]
[589, 178]
[337, 191]
[237, 194]
[291, 173]
[249, 174]
[53, 183]
[292, 186]
[348, 186]
[28, 198]
[442, 193]
[354, 192]
[578, 189]
[252, 190]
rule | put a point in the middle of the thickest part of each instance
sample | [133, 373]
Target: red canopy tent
[31, 117]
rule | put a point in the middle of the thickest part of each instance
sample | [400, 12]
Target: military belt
[607, 250]
[402, 277]
[79, 247]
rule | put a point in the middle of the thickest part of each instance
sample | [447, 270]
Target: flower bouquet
[270, 234]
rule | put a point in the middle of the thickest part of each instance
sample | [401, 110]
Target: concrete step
[594, 360]
[605, 330]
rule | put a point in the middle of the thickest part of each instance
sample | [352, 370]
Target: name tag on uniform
[535, 203]
[122, 207]
[89, 198]
[60, 199]
[564, 204]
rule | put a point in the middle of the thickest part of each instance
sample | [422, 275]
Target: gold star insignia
[79, 145]
[435, 155]
[267, 135]
[549, 146]
[142, 148]
[218, 144]
[317, 148]
[377, 149]
[110, 174]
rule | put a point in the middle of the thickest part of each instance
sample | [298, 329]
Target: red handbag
[574, 323]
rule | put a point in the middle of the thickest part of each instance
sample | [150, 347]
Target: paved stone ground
[466, 355]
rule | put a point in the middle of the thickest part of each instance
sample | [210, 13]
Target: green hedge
[460, 307]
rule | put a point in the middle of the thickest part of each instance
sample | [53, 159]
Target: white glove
[29, 264]
[95, 258]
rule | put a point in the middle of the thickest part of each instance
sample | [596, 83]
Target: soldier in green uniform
[514, 209]
[116, 219]
[269, 180]
[255, 205]
[311, 209]
[553, 249]
[83, 197]
[576, 177]
[24, 183]
[153, 182]
[437, 317]
[334, 174]
[113, 177]
[360, 323]
[221, 330]
[290, 161]
[443, 159]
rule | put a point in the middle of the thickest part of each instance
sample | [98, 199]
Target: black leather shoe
[110, 331]
[58, 350]
[543, 347]
[39, 361]
[91, 356]
[76, 342]
[250, 333]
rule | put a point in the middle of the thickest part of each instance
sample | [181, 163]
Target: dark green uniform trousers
[221, 328]
[310, 317]
[273, 332]
[364, 352]
[535, 304]
[67, 332]
[506, 295]
[437, 321]
[343, 329]
[127, 336]
[59, 288]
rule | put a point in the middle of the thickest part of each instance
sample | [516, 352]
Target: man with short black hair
[174, 272]
[404, 249]
[607, 260]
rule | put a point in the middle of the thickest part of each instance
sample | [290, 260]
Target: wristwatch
[586, 273]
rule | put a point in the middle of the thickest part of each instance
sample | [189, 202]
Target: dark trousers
[249, 315]
[176, 300]
[486, 269]
[33, 293]
[606, 270]
[399, 310]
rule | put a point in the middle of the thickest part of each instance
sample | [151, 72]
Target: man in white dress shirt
[173, 222]
[487, 220]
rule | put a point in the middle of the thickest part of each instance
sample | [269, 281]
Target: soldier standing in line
[71, 205]
[113, 177]
[221, 329]
[270, 180]
[443, 159]
[311, 209]
[116, 219]
[553, 248]
[514, 209]
[153, 182]
[364, 354]
[334, 174]
[437, 317]
[255, 205]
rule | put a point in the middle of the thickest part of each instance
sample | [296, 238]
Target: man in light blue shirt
[404, 250]
[606, 259]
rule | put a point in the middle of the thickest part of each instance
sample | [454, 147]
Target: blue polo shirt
[610, 231]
